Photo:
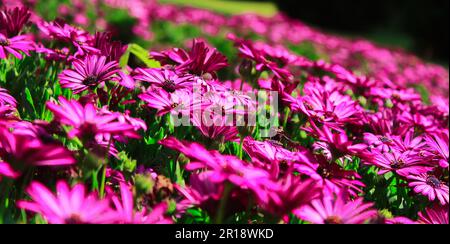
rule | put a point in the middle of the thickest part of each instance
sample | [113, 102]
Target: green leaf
[142, 54]
[30, 99]
[124, 59]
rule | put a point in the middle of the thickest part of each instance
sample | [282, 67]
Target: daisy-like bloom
[408, 142]
[418, 122]
[22, 151]
[247, 50]
[166, 79]
[15, 45]
[429, 186]
[438, 144]
[7, 171]
[336, 180]
[88, 73]
[215, 128]
[68, 205]
[206, 194]
[437, 215]
[225, 168]
[327, 106]
[127, 215]
[404, 164]
[79, 38]
[112, 50]
[180, 102]
[293, 193]
[200, 60]
[330, 210]
[380, 143]
[336, 144]
[203, 59]
[88, 123]
[13, 20]
[53, 54]
[273, 157]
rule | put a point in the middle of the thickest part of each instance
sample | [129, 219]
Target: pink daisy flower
[15, 45]
[13, 20]
[6, 99]
[434, 216]
[336, 211]
[88, 123]
[429, 186]
[68, 205]
[404, 164]
[88, 73]
[21, 151]
[166, 79]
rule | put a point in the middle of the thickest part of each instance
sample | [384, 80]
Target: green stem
[241, 144]
[103, 179]
[102, 182]
[223, 203]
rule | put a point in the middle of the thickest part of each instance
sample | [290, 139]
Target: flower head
[88, 122]
[15, 45]
[127, 215]
[331, 210]
[20, 151]
[429, 186]
[88, 73]
[437, 215]
[68, 205]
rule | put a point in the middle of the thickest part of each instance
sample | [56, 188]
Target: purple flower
[336, 144]
[203, 59]
[380, 143]
[292, 194]
[179, 102]
[22, 151]
[429, 186]
[88, 123]
[88, 73]
[13, 20]
[330, 210]
[437, 216]
[6, 99]
[163, 78]
[68, 205]
[404, 164]
[15, 45]
[438, 144]
[225, 168]
[127, 215]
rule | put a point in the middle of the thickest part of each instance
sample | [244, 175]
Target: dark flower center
[59, 51]
[385, 139]
[333, 220]
[4, 42]
[74, 219]
[174, 105]
[397, 164]
[90, 80]
[169, 86]
[325, 173]
[308, 106]
[434, 182]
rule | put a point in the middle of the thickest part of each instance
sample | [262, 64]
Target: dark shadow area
[421, 26]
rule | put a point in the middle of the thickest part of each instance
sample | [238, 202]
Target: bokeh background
[419, 26]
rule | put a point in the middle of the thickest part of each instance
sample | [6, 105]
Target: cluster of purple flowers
[352, 113]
